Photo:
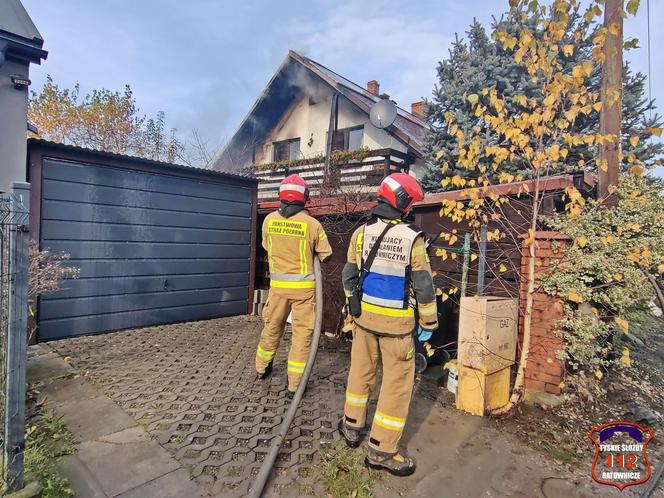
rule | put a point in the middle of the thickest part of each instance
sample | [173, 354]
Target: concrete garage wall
[20, 45]
[154, 245]
[13, 124]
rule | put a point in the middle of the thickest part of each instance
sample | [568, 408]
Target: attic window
[348, 138]
[286, 150]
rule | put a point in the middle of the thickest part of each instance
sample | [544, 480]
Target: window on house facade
[348, 138]
[286, 150]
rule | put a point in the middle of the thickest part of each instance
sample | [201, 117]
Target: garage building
[155, 242]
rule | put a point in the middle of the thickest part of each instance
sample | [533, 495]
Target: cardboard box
[479, 393]
[487, 333]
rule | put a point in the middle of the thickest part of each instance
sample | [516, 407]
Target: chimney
[418, 109]
[373, 86]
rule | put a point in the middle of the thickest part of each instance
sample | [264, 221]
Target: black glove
[354, 306]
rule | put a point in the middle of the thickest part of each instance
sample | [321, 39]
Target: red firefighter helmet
[293, 189]
[400, 191]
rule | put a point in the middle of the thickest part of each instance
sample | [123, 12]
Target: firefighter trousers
[397, 354]
[280, 303]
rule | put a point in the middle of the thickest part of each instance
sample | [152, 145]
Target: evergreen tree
[483, 63]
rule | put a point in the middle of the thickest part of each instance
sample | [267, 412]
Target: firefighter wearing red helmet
[392, 300]
[292, 239]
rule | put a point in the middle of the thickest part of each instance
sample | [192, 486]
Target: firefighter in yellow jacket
[389, 290]
[292, 239]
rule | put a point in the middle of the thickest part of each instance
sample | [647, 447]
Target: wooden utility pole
[611, 95]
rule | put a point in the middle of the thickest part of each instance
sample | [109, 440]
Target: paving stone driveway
[192, 386]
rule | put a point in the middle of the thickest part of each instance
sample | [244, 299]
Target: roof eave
[87, 153]
[347, 93]
[342, 90]
[22, 49]
[546, 184]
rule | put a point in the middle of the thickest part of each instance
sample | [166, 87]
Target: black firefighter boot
[353, 437]
[266, 373]
[397, 464]
[291, 394]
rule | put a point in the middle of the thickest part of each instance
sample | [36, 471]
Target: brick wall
[544, 371]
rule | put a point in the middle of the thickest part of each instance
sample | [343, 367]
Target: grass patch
[47, 439]
[564, 453]
[343, 473]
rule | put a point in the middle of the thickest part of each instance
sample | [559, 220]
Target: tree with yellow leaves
[540, 133]
[477, 62]
[101, 120]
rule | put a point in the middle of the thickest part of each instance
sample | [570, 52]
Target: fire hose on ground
[266, 468]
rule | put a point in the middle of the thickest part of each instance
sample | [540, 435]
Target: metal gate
[14, 208]
[154, 243]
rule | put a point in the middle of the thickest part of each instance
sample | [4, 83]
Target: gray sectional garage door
[152, 248]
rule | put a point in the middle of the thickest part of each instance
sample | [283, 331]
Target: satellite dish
[383, 113]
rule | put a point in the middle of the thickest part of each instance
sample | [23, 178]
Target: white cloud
[368, 41]
[204, 62]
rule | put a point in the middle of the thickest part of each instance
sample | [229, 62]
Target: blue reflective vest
[386, 285]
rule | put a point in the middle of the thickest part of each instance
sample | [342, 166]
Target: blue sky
[204, 62]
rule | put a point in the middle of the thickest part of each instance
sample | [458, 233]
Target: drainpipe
[331, 131]
[4, 44]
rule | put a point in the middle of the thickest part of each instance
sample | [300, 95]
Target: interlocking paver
[193, 387]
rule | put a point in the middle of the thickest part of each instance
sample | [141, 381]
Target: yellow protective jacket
[399, 282]
[291, 244]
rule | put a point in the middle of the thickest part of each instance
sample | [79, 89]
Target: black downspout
[331, 131]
